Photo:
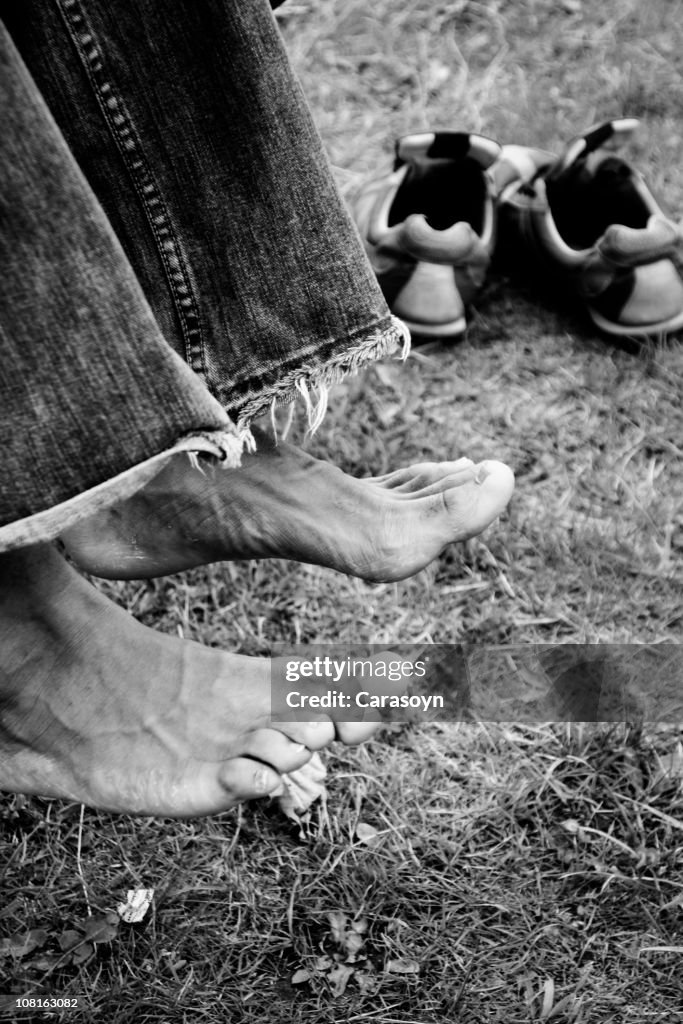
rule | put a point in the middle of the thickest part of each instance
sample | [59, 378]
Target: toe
[404, 477]
[206, 788]
[427, 474]
[474, 507]
[244, 779]
[276, 750]
[353, 733]
[497, 480]
[314, 735]
[450, 476]
[368, 719]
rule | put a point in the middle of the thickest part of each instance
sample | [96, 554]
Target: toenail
[261, 780]
[482, 472]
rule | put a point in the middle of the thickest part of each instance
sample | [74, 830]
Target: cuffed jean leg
[91, 395]
[192, 130]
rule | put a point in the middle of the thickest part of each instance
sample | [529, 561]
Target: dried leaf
[300, 976]
[22, 943]
[402, 966]
[68, 939]
[354, 943]
[339, 979]
[367, 983]
[367, 834]
[337, 919]
[46, 962]
[301, 788]
[136, 906]
[82, 953]
[101, 929]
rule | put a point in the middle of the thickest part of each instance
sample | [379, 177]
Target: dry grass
[517, 873]
[512, 875]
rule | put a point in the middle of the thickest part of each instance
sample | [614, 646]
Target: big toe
[474, 507]
[498, 482]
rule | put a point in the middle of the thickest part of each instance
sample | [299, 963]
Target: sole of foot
[97, 708]
[283, 503]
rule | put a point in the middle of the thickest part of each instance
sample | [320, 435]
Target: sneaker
[428, 228]
[590, 222]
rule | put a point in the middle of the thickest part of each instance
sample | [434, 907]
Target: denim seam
[127, 140]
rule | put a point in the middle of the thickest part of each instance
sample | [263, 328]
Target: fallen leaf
[22, 943]
[401, 966]
[337, 919]
[68, 939]
[300, 976]
[101, 929]
[366, 833]
[339, 979]
[367, 983]
[82, 953]
[45, 962]
[301, 788]
[136, 906]
[354, 943]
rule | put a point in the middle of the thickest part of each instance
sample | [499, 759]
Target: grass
[473, 873]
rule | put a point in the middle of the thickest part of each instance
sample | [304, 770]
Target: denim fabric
[163, 194]
[88, 385]
[188, 123]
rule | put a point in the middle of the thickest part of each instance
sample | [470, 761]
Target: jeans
[175, 255]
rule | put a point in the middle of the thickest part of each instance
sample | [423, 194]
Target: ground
[478, 873]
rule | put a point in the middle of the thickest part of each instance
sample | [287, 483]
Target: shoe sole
[449, 330]
[674, 323]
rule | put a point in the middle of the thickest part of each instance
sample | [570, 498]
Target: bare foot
[282, 503]
[95, 707]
